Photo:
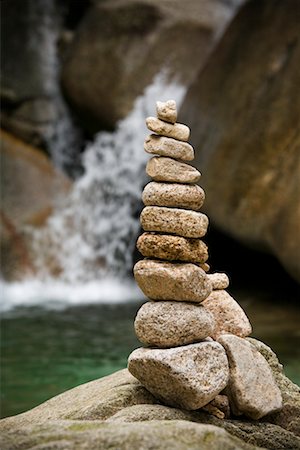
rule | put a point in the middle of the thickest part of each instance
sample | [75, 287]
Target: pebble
[252, 389]
[166, 146]
[161, 280]
[167, 111]
[171, 324]
[172, 248]
[219, 280]
[161, 168]
[190, 224]
[188, 377]
[176, 131]
[205, 267]
[173, 195]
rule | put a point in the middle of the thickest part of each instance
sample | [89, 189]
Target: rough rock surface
[190, 224]
[173, 195]
[167, 146]
[171, 324]
[161, 168]
[160, 280]
[172, 248]
[167, 111]
[245, 116]
[219, 280]
[188, 377]
[176, 131]
[229, 316]
[252, 388]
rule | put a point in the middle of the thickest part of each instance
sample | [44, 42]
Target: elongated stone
[252, 389]
[171, 324]
[173, 195]
[167, 111]
[229, 316]
[166, 146]
[219, 280]
[161, 168]
[172, 248]
[177, 130]
[190, 224]
[188, 377]
[160, 280]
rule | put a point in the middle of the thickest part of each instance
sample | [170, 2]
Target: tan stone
[160, 280]
[162, 168]
[167, 111]
[177, 131]
[189, 376]
[229, 316]
[166, 146]
[190, 224]
[252, 389]
[172, 248]
[219, 280]
[205, 267]
[173, 195]
[171, 324]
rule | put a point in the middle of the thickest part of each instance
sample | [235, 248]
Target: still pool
[45, 352]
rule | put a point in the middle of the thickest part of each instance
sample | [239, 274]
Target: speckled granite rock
[190, 224]
[162, 168]
[176, 131]
[165, 146]
[189, 376]
[173, 195]
[167, 111]
[160, 280]
[171, 324]
[172, 248]
[219, 280]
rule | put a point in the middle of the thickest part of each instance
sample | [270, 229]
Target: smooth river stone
[167, 111]
[173, 195]
[165, 146]
[219, 280]
[171, 324]
[252, 389]
[190, 224]
[172, 248]
[188, 377]
[161, 168]
[177, 131]
[160, 280]
[229, 316]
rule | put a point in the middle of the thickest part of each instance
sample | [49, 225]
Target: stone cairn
[197, 354]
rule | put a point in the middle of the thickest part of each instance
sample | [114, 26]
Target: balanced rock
[228, 315]
[188, 377]
[176, 130]
[190, 224]
[166, 146]
[160, 280]
[205, 267]
[171, 324]
[167, 111]
[252, 389]
[172, 248]
[162, 168]
[173, 195]
[219, 280]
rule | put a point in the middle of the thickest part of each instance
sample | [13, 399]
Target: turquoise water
[46, 352]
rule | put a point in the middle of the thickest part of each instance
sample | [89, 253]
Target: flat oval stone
[166, 146]
[177, 130]
[160, 280]
[171, 324]
[252, 389]
[173, 195]
[229, 316]
[167, 111]
[190, 224]
[219, 280]
[161, 168]
[188, 377]
[172, 248]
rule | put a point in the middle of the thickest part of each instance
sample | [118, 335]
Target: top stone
[167, 111]
[177, 130]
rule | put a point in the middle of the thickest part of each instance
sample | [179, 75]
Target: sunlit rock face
[244, 113]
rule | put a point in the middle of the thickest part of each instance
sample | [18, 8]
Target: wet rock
[166, 146]
[173, 195]
[189, 376]
[219, 280]
[160, 280]
[171, 324]
[252, 389]
[172, 248]
[177, 131]
[167, 111]
[181, 222]
[228, 315]
[161, 168]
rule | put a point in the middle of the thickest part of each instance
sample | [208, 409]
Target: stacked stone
[192, 327]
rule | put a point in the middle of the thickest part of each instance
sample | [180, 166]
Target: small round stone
[167, 111]
[219, 280]
[162, 168]
[166, 146]
[177, 130]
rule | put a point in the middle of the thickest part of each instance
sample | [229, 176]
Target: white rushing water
[90, 239]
